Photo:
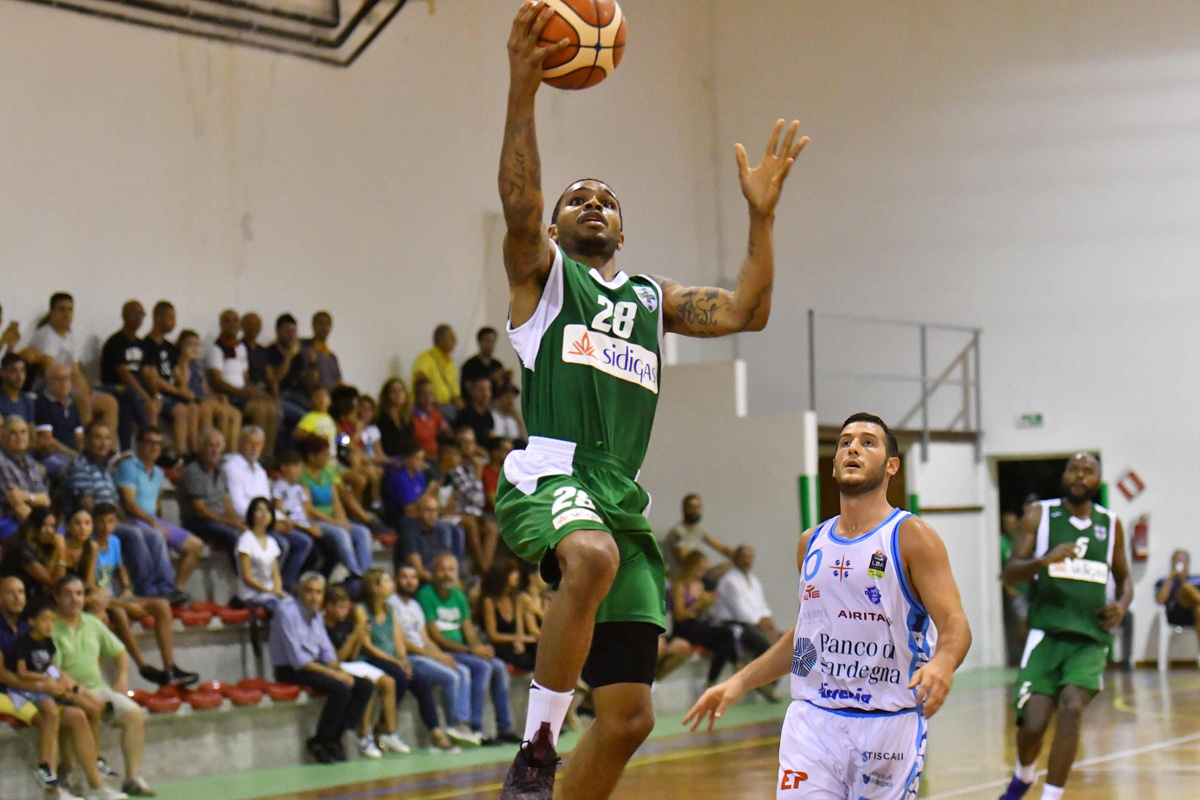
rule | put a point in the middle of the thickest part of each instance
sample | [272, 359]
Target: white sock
[1052, 792]
[546, 705]
[1027, 772]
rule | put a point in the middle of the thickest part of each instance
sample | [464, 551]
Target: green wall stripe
[914, 504]
[809, 492]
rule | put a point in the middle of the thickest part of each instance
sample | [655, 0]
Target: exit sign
[1030, 421]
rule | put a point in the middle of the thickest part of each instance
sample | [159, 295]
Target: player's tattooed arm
[707, 311]
[527, 254]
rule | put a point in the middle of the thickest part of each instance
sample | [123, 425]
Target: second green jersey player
[1073, 553]
[589, 337]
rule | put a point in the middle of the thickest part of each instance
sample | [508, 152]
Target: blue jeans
[487, 672]
[144, 553]
[353, 546]
[456, 686]
[294, 548]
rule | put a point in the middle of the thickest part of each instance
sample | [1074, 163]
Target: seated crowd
[295, 476]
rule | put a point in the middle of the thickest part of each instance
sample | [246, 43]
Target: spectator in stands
[286, 372]
[437, 366]
[368, 431]
[247, 479]
[469, 500]
[673, 652]
[52, 718]
[688, 536]
[121, 361]
[386, 650]
[498, 450]
[502, 615]
[10, 336]
[228, 374]
[361, 476]
[34, 553]
[205, 507]
[22, 483]
[87, 484]
[58, 432]
[477, 413]
[473, 450]
[260, 583]
[432, 663]
[324, 360]
[257, 356]
[394, 418]
[94, 554]
[161, 357]
[535, 601]
[55, 344]
[482, 364]
[82, 640]
[14, 400]
[424, 537]
[215, 412]
[427, 420]
[742, 603]
[448, 623]
[318, 423]
[349, 633]
[1179, 593]
[321, 479]
[140, 482]
[507, 421]
[690, 603]
[302, 653]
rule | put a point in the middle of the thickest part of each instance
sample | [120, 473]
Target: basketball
[596, 30]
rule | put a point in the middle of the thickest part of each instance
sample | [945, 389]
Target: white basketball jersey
[861, 634]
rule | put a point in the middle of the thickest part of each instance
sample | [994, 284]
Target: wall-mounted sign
[1034, 420]
[1130, 484]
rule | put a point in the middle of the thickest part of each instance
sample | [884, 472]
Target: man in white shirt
[740, 599]
[247, 479]
[228, 374]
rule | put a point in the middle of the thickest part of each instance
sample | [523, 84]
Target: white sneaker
[105, 793]
[461, 734]
[368, 748]
[59, 793]
[390, 742]
[338, 574]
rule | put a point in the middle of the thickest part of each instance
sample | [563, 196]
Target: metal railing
[962, 370]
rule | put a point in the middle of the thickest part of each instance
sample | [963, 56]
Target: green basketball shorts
[554, 488]
[1052, 661]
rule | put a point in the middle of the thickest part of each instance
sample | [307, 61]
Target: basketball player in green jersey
[1070, 550]
[589, 339]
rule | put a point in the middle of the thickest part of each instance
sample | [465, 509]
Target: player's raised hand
[712, 704]
[525, 55]
[932, 683]
[762, 184]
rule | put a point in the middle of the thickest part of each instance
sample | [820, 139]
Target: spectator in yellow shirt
[437, 365]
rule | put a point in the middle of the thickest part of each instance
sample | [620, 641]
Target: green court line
[310, 777]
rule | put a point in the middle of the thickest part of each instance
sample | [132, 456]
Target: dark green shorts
[1052, 661]
[591, 497]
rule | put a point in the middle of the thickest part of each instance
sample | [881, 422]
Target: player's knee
[1071, 706]
[589, 559]
[631, 729]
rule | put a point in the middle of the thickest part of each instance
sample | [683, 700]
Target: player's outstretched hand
[932, 683]
[712, 704]
[525, 55]
[762, 184]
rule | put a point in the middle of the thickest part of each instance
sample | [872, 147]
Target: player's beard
[600, 244]
[1080, 496]
[870, 482]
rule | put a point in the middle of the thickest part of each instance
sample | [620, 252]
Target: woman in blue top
[215, 410]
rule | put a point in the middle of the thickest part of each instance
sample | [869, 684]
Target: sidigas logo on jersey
[612, 356]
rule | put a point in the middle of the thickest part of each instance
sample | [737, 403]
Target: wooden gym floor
[1141, 740]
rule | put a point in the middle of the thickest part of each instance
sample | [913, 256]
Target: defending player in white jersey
[867, 669]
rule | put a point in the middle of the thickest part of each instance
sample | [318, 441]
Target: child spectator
[498, 450]
[94, 554]
[215, 409]
[502, 614]
[259, 581]
[318, 423]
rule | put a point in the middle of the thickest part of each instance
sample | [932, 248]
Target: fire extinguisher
[1141, 538]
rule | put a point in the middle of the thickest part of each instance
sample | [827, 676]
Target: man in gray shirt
[205, 507]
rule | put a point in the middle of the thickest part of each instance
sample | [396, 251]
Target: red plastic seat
[278, 692]
[242, 697]
[12, 721]
[205, 605]
[170, 691]
[254, 683]
[204, 701]
[387, 539]
[233, 616]
[193, 618]
[156, 703]
[210, 686]
[147, 623]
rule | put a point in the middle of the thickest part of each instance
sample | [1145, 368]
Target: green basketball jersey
[590, 356]
[1067, 597]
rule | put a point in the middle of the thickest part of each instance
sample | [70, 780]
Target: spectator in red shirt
[427, 420]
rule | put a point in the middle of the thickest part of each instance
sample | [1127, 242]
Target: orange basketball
[596, 30]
